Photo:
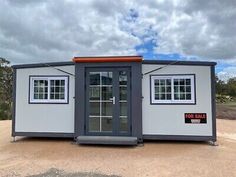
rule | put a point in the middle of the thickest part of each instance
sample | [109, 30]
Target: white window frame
[48, 100]
[172, 77]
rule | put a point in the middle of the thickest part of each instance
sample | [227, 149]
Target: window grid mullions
[185, 89]
[42, 88]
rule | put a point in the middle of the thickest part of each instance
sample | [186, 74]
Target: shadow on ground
[53, 172]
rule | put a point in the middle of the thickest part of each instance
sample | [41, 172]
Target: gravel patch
[53, 172]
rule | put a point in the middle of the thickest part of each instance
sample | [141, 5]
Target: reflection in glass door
[100, 102]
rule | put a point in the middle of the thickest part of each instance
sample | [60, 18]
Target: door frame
[115, 108]
[135, 97]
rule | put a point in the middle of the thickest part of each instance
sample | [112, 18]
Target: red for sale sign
[195, 118]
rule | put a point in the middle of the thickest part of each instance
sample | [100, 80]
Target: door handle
[113, 99]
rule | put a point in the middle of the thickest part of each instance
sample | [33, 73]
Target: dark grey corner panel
[213, 103]
[14, 103]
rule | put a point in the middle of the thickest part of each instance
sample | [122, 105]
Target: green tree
[6, 80]
[221, 87]
[231, 84]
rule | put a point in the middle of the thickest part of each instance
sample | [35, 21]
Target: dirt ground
[60, 157]
[226, 111]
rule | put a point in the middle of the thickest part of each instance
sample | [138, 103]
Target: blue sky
[47, 31]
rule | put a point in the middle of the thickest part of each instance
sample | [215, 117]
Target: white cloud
[227, 73]
[39, 31]
[56, 31]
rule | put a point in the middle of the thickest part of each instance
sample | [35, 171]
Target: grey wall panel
[48, 118]
[169, 119]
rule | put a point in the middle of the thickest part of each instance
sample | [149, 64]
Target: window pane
[106, 93]
[123, 93]
[94, 124]
[156, 82]
[182, 89]
[57, 89]
[157, 97]
[107, 124]
[188, 96]
[52, 96]
[168, 82]
[157, 89]
[123, 78]
[168, 89]
[188, 88]
[176, 96]
[61, 96]
[106, 78]
[94, 78]
[56, 96]
[94, 93]
[57, 82]
[123, 109]
[168, 96]
[36, 89]
[40, 89]
[162, 96]
[52, 89]
[176, 81]
[162, 82]
[36, 83]
[36, 96]
[123, 124]
[182, 96]
[41, 96]
[94, 109]
[176, 89]
[163, 89]
[107, 108]
[188, 81]
[181, 82]
[62, 89]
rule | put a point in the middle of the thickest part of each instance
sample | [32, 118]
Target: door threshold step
[109, 140]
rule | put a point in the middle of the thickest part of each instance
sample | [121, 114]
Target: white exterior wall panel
[169, 119]
[51, 118]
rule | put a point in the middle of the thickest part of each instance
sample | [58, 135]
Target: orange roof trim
[107, 59]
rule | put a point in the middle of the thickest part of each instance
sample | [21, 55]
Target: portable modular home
[115, 100]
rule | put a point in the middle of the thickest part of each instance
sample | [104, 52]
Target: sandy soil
[30, 156]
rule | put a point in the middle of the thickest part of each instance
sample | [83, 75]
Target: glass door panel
[108, 93]
[123, 100]
[100, 102]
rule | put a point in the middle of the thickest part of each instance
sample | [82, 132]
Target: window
[49, 89]
[172, 89]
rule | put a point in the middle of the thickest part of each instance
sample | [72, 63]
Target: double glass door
[108, 101]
